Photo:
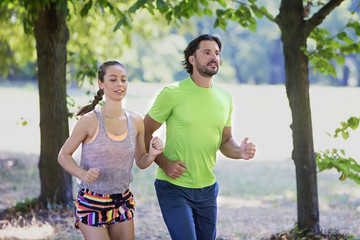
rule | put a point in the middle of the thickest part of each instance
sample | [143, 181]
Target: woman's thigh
[93, 233]
[122, 230]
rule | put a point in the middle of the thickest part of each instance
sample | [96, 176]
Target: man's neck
[200, 81]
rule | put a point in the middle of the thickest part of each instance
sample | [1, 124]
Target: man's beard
[205, 71]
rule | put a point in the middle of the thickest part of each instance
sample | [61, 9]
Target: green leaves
[84, 68]
[124, 21]
[222, 3]
[171, 11]
[243, 14]
[348, 167]
[84, 11]
[208, 12]
[23, 122]
[325, 52]
[336, 159]
[355, 26]
[352, 122]
[329, 48]
[137, 5]
[162, 6]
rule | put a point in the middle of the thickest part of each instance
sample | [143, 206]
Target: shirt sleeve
[162, 106]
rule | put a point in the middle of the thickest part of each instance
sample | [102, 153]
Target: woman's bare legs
[122, 231]
[118, 231]
[94, 233]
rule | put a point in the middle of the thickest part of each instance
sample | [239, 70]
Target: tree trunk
[294, 35]
[51, 34]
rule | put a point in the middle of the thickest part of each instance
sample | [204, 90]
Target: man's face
[206, 59]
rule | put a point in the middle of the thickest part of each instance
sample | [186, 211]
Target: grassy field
[257, 197]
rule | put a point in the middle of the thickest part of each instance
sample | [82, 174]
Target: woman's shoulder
[90, 115]
[86, 124]
[88, 118]
[136, 119]
[134, 116]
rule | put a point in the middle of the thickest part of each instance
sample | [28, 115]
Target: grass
[257, 198]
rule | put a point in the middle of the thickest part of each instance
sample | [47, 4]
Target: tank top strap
[131, 129]
[102, 129]
[129, 121]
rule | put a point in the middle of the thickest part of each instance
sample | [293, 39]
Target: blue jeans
[189, 214]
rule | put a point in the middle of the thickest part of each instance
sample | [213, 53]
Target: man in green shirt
[198, 123]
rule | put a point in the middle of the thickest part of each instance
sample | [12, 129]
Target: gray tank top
[114, 159]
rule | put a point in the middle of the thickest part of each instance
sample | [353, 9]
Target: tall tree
[51, 34]
[295, 30]
[46, 20]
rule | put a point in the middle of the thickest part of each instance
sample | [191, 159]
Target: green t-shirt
[195, 118]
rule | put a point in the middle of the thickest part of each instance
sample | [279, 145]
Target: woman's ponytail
[97, 98]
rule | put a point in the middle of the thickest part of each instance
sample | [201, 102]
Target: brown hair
[99, 95]
[193, 46]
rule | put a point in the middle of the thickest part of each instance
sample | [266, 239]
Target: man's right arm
[173, 169]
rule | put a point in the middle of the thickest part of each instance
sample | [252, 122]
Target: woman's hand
[156, 146]
[91, 175]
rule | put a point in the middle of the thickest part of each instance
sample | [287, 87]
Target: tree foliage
[12, 36]
[336, 158]
[92, 36]
[334, 48]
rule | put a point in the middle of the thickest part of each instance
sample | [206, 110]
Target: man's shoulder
[176, 86]
[222, 90]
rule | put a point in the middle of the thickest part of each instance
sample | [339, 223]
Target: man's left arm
[231, 149]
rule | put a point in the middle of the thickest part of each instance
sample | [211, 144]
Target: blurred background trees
[248, 58]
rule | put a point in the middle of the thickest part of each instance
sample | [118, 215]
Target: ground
[260, 204]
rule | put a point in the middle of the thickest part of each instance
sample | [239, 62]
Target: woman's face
[115, 82]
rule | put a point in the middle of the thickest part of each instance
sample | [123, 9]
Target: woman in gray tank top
[111, 139]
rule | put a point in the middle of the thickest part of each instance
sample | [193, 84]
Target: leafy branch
[261, 10]
[352, 122]
[335, 47]
[347, 166]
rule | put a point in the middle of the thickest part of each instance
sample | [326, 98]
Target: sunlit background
[252, 71]
[260, 112]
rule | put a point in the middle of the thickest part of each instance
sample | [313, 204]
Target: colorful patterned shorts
[101, 210]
